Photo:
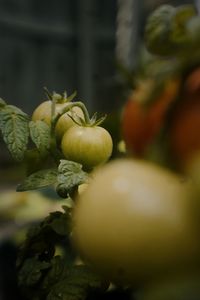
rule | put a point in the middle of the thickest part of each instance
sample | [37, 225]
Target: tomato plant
[132, 222]
[135, 222]
[54, 274]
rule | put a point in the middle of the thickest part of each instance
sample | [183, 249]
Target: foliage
[44, 275]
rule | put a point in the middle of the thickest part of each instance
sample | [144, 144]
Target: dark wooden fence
[61, 44]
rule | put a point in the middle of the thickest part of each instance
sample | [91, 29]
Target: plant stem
[67, 108]
[53, 111]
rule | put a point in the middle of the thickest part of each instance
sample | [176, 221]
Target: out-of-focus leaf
[61, 225]
[55, 273]
[38, 180]
[31, 271]
[77, 284]
[157, 31]
[43, 237]
[2, 103]
[193, 28]
[179, 33]
[166, 30]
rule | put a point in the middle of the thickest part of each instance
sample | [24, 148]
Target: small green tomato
[43, 112]
[90, 146]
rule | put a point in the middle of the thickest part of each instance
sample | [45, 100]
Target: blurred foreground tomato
[136, 222]
[141, 122]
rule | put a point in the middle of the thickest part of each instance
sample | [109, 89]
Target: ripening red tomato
[185, 131]
[141, 123]
[185, 124]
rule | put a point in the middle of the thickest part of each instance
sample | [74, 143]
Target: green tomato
[43, 112]
[135, 222]
[89, 146]
[65, 122]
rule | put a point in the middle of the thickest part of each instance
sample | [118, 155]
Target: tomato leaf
[157, 31]
[193, 27]
[55, 273]
[42, 275]
[179, 33]
[38, 180]
[79, 281]
[166, 31]
[2, 103]
[43, 237]
[40, 135]
[60, 225]
[14, 128]
[70, 174]
[31, 271]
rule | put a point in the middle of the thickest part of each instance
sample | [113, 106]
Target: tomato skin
[134, 222]
[89, 146]
[43, 112]
[140, 124]
[65, 122]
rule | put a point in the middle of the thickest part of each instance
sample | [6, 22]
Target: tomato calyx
[87, 122]
[58, 98]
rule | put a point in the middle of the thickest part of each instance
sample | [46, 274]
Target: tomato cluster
[81, 141]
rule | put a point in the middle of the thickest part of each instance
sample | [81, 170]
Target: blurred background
[63, 45]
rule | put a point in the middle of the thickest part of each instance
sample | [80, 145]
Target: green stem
[53, 112]
[53, 143]
[67, 108]
[49, 96]
[84, 110]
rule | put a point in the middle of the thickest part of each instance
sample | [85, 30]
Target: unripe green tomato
[43, 112]
[89, 146]
[135, 222]
[65, 122]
